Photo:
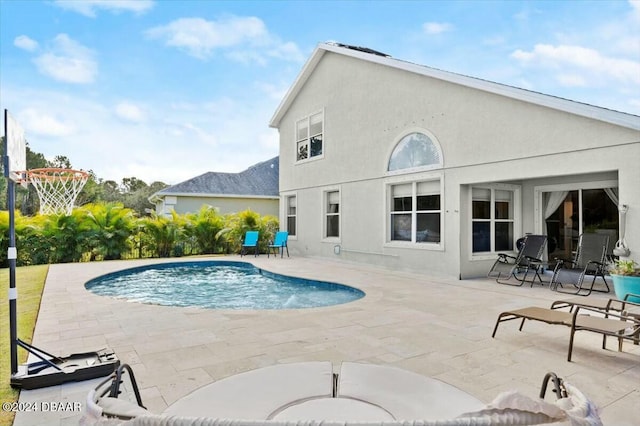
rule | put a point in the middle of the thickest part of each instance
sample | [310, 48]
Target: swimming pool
[219, 285]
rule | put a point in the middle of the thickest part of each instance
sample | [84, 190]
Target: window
[332, 214]
[415, 150]
[309, 135]
[415, 212]
[291, 214]
[493, 219]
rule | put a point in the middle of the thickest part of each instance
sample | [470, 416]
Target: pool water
[219, 285]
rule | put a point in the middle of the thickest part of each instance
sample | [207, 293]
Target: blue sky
[167, 90]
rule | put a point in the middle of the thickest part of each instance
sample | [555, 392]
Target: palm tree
[110, 226]
[61, 235]
[203, 227]
[164, 232]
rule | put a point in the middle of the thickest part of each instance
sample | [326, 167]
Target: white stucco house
[255, 188]
[401, 165]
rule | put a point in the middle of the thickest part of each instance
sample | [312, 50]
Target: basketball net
[57, 188]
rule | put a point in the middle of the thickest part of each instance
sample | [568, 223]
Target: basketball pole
[12, 254]
[13, 291]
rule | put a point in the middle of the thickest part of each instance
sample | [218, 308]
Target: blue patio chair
[279, 243]
[250, 241]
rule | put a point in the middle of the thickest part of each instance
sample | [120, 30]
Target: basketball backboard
[15, 148]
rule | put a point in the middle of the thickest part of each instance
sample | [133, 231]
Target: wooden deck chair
[581, 273]
[624, 325]
[529, 259]
[250, 241]
[279, 243]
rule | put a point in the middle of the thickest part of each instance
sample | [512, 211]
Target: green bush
[237, 225]
[204, 229]
[104, 231]
[108, 227]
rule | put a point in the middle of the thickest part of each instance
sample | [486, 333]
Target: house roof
[258, 181]
[603, 114]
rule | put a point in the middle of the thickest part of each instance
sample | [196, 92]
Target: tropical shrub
[104, 231]
[237, 225]
[108, 226]
[204, 228]
[162, 233]
[61, 236]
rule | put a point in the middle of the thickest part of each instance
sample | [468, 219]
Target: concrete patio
[434, 326]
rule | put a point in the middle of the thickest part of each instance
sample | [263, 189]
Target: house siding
[484, 137]
[186, 204]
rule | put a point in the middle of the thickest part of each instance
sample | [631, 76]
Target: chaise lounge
[621, 324]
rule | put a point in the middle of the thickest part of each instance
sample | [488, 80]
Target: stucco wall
[227, 205]
[484, 138]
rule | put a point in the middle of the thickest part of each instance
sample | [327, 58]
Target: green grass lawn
[29, 282]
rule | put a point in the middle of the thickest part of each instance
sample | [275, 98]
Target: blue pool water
[219, 285]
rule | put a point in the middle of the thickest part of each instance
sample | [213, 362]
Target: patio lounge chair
[607, 305]
[309, 393]
[250, 241]
[529, 258]
[587, 266]
[622, 325]
[279, 244]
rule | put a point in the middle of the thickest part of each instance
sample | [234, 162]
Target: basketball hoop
[57, 188]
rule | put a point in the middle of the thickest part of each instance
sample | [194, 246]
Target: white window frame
[399, 138]
[414, 181]
[285, 213]
[326, 214]
[539, 190]
[308, 137]
[517, 219]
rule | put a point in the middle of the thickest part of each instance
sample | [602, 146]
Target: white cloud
[245, 39]
[25, 43]
[635, 9]
[68, 61]
[90, 8]
[288, 51]
[40, 123]
[129, 112]
[436, 27]
[200, 37]
[173, 143]
[588, 62]
[571, 80]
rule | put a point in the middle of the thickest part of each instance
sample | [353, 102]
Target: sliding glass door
[567, 214]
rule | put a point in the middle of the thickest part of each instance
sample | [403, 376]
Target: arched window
[413, 151]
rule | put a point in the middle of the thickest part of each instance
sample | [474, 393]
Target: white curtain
[554, 200]
[613, 194]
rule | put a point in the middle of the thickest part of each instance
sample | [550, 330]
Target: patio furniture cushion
[404, 394]
[258, 394]
[336, 409]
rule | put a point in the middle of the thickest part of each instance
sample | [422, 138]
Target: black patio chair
[588, 264]
[529, 259]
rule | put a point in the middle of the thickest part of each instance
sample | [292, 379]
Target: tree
[61, 161]
[92, 192]
[109, 226]
[132, 184]
[163, 232]
[204, 228]
[63, 236]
